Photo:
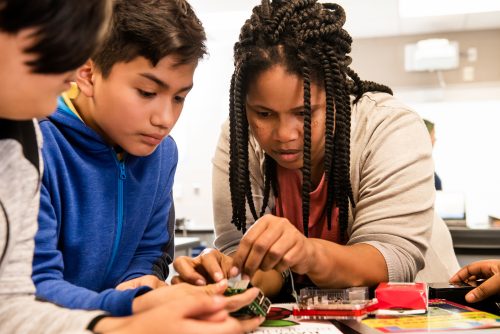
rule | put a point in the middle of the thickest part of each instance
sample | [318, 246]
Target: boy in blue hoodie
[110, 164]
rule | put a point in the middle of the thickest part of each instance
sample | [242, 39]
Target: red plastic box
[402, 298]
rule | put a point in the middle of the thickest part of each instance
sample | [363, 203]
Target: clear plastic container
[350, 303]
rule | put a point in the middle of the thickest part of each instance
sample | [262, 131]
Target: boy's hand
[147, 280]
[187, 315]
[179, 291]
[489, 269]
[210, 266]
[174, 292]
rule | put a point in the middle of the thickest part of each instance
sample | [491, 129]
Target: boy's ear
[85, 75]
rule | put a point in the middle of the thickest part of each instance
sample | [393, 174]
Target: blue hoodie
[102, 221]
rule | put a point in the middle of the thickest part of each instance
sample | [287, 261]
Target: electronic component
[258, 307]
[455, 292]
[351, 303]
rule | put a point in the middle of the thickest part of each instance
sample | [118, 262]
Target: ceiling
[365, 18]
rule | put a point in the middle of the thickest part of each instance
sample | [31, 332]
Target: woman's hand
[273, 243]
[489, 269]
[147, 280]
[210, 266]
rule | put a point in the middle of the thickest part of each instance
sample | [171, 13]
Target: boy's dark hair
[66, 32]
[307, 39]
[152, 29]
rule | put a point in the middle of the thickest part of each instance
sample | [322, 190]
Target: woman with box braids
[329, 176]
[307, 38]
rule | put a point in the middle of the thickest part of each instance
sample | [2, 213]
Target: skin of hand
[265, 236]
[178, 292]
[187, 315]
[270, 282]
[147, 280]
[486, 269]
[210, 266]
[274, 243]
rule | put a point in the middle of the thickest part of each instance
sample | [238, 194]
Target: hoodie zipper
[121, 180]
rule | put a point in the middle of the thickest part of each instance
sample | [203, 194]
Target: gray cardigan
[393, 186]
[20, 174]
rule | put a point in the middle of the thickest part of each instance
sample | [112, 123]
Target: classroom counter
[485, 239]
[475, 244]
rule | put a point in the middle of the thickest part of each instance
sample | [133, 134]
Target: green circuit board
[258, 307]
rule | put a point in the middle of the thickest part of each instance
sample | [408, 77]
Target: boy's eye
[146, 94]
[301, 113]
[179, 99]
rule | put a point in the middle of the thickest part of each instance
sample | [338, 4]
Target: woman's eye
[263, 114]
[146, 94]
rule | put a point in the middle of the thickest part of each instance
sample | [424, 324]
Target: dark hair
[307, 39]
[152, 29]
[66, 32]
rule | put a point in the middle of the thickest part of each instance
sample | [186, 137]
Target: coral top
[289, 205]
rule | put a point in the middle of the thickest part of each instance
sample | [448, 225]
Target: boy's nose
[164, 117]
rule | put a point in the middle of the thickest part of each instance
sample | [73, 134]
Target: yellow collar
[69, 95]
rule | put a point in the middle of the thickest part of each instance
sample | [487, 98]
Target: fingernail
[234, 271]
[200, 282]
[470, 297]
[222, 282]
[218, 276]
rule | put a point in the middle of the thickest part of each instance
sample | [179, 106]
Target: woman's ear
[85, 76]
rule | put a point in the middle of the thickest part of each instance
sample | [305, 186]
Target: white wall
[206, 108]
[466, 153]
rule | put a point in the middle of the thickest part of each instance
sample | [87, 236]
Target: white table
[185, 244]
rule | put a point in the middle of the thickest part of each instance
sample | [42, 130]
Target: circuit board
[258, 307]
